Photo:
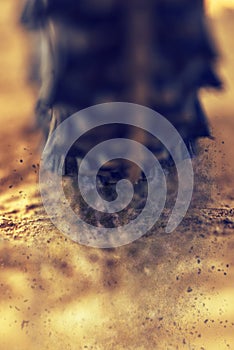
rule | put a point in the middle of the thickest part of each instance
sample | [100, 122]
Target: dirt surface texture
[164, 291]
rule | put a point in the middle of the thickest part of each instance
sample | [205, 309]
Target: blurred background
[164, 292]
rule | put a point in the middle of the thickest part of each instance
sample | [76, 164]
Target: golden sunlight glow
[214, 7]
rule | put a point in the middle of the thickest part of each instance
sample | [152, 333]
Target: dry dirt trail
[164, 291]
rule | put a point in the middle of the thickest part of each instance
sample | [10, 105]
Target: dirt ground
[164, 291]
